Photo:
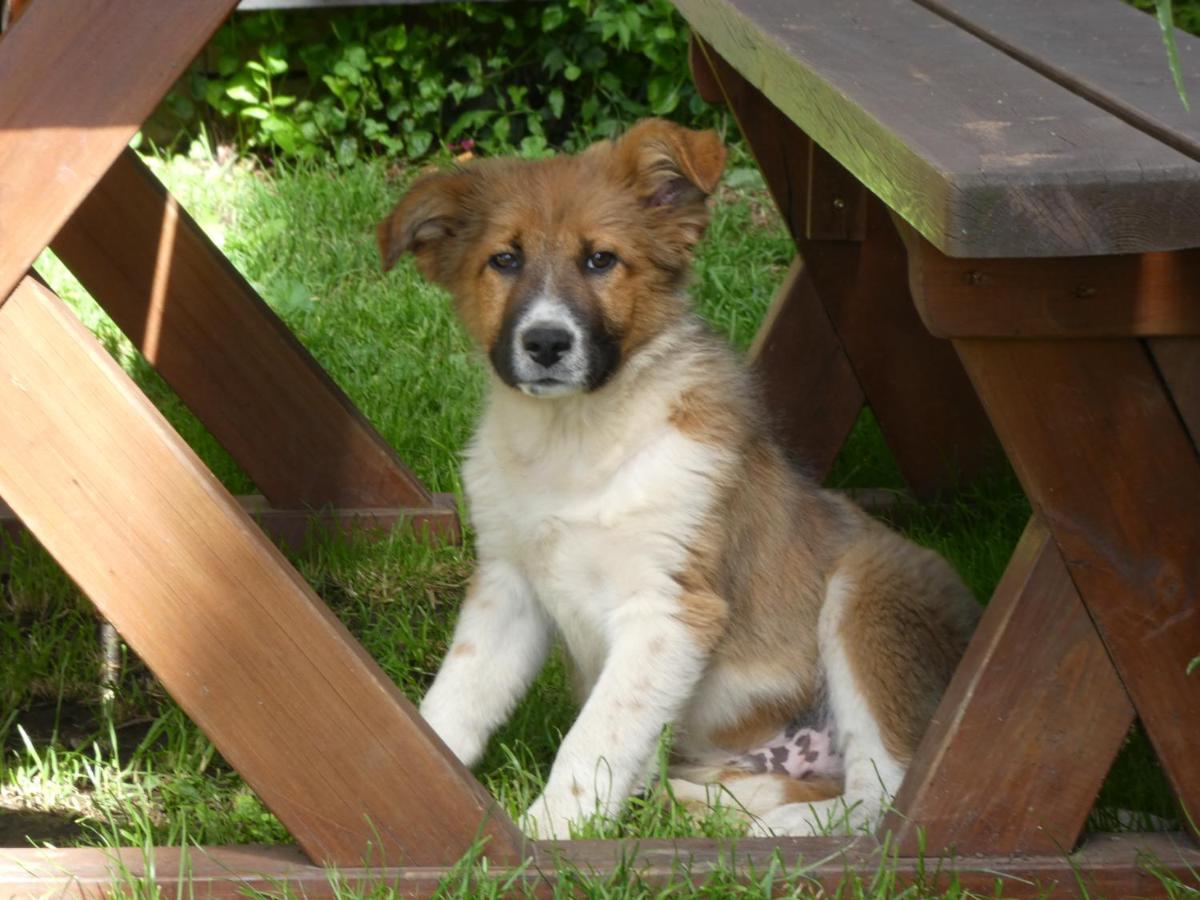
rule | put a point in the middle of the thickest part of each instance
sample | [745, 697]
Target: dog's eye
[600, 261]
[505, 262]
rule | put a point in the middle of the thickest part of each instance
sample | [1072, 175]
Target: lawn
[136, 771]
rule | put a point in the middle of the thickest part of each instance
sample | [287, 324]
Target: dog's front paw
[546, 820]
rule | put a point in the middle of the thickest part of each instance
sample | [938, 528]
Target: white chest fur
[594, 503]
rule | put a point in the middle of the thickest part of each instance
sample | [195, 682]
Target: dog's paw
[545, 820]
[821, 819]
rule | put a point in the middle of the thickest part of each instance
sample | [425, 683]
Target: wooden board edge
[1109, 864]
[438, 522]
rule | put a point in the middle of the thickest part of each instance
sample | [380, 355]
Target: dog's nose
[546, 345]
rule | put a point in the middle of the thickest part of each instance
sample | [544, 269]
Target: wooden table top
[1021, 128]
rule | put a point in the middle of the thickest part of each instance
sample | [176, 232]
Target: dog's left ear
[673, 168]
[422, 222]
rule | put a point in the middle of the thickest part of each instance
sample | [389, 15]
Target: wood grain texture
[291, 528]
[225, 352]
[1178, 361]
[1026, 731]
[808, 383]
[234, 634]
[913, 382]
[1106, 866]
[1103, 50]
[1076, 297]
[79, 77]
[1106, 461]
[982, 155]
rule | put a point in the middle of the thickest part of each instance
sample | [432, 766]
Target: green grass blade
[1166, 21]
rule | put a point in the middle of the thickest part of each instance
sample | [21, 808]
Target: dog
[628, 498]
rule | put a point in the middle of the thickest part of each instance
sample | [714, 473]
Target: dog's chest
[592, 524]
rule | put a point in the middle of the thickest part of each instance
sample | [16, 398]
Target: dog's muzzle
[547, 349]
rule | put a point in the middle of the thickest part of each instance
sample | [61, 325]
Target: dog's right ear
[429, 214]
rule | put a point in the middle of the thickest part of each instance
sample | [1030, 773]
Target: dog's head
[562, 268]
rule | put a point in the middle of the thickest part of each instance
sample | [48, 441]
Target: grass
[137, 772]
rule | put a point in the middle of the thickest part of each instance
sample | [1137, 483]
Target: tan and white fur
[629, 499]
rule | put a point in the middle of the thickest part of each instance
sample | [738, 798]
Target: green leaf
[241, 93]
[347, 151]
[1166, 22]
[556, 101]
[572, 72]
[1193, 665]
[553, 16]
[418, 143]
[663, 94]
[500, 130]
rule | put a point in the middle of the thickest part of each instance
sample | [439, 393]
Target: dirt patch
[21, 828]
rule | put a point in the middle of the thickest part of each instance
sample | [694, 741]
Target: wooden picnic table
[1022, 183]
[1022, 179]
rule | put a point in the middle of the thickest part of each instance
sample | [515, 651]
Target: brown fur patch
[706, 417]
[705, 615]
[755, 726]
[904, 629]
[466, 648]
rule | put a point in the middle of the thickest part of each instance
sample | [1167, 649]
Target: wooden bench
[1039, 216]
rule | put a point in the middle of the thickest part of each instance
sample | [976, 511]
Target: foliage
[1172, 13]
[404, 80]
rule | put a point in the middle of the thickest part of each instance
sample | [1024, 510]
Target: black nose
[546, 345]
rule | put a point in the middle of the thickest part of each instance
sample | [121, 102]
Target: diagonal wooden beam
[80, 77]
[285, 693]
[1106, 460]
[227, 354]
[1027, 729]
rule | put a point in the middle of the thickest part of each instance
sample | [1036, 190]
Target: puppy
[628, 498]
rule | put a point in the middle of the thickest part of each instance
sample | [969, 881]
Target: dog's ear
[429, 214]
[669, 165]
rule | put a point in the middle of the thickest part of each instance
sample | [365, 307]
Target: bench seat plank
[983, 155]
[1104, 50]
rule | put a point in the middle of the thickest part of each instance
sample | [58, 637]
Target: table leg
[227, 354]
[1105, 458]
[857, 276]
[1027, 729]
[231, 630]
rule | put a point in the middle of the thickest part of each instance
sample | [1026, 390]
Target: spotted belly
[799, 751]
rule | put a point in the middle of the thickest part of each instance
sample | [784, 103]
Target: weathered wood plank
[1078, 297]
[1103, 50]
[1178, 360]
[225, 352]
[982, 155]
[284, 691]
[1107, 866]
[292, 527]
[79, 78]
[1027, 730]
[1106, 461]
[809, 385]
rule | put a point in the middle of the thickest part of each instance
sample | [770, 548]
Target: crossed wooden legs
[1099, 606]
[235, 635]
[232, 631]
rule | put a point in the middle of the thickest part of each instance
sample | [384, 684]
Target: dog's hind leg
[892, 629]
[751, 795]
